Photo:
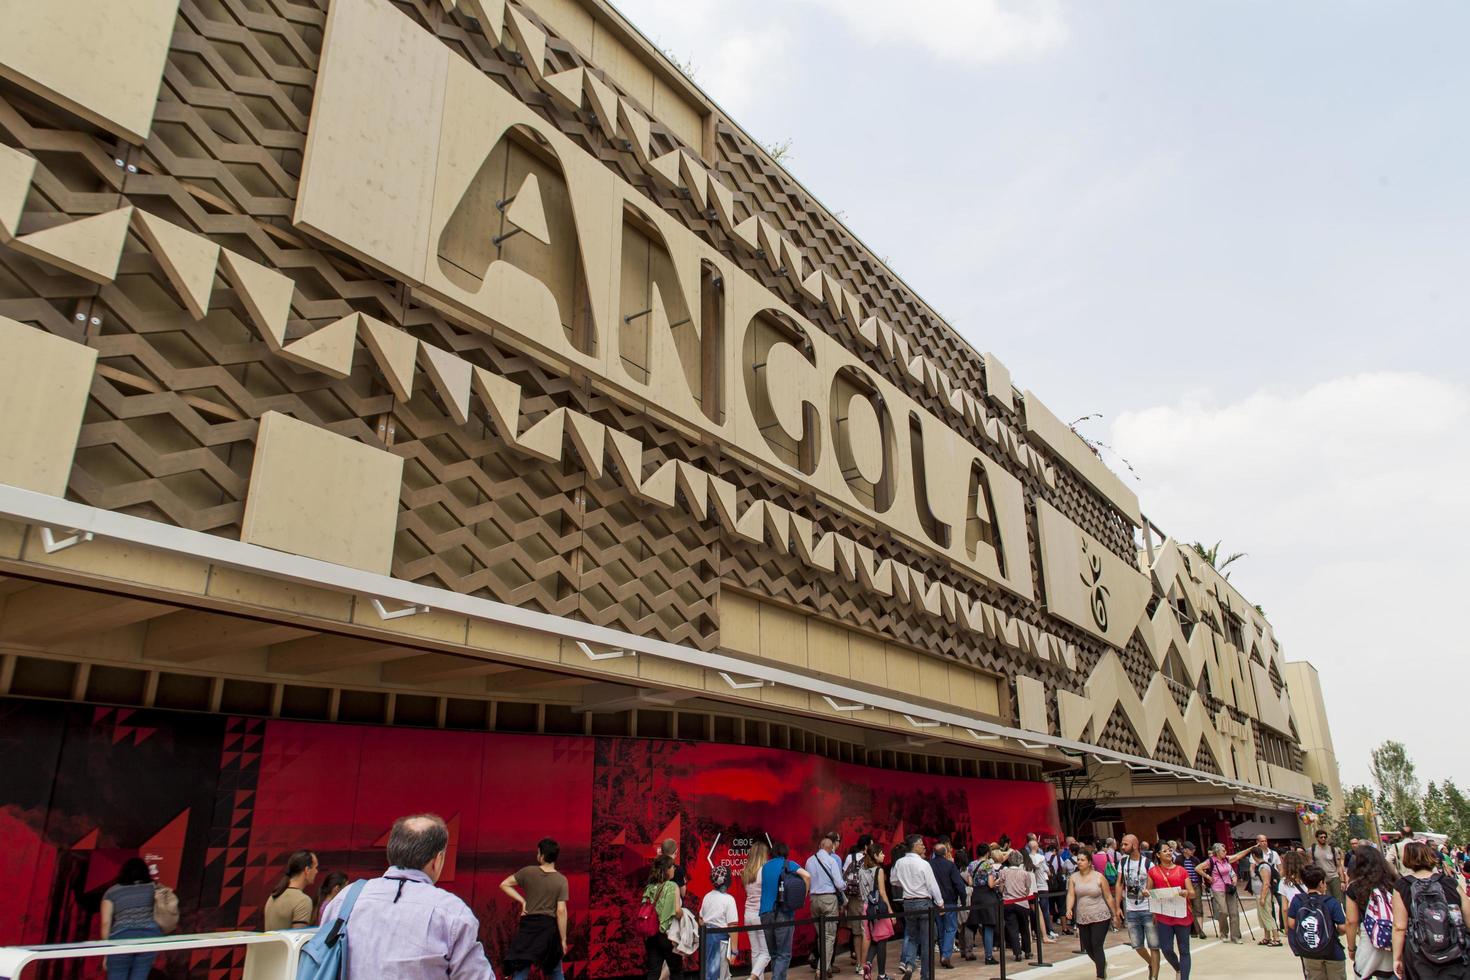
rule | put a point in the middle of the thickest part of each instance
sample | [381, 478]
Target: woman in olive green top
[664, 895]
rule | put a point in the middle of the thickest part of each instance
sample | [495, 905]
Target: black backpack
[1436, 931]
[1314, 936]
[790, 891]
[1059, 872]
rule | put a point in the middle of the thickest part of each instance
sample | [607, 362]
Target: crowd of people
[1398, 910]
[1392, 911]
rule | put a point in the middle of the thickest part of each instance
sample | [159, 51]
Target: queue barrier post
[815, 921]
[821, 923]
[933, 937]
[1002, 944]
[1039, 927]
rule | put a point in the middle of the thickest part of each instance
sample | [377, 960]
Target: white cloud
[745, 67]
[739, 63]
[1350, 498]
[969, 32]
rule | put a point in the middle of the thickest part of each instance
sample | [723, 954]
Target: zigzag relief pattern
[770, 196]
[217, 311]
[190, 263]
[1117, 734]
[658, 572]
[475, 522]
[174, 442]
[267, 295]
[679, 169]
[1204, 761]
[1237, 676]
[1167, 748]
[1109, 690]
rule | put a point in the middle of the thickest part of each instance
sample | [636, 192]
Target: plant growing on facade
[1211, 554]
[779, 150]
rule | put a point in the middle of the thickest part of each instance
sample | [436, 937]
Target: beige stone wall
[765, 630]
[1316, 735]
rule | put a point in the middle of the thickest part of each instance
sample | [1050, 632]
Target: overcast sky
[1239, 231]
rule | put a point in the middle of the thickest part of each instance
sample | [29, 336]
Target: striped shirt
[132, 906]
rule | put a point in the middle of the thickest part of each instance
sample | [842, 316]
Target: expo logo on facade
[1097, 592]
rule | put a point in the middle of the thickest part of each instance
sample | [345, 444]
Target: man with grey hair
[670, 848]
[403, 927]
[825, 869]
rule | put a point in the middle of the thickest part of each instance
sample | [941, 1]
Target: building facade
[444, 405]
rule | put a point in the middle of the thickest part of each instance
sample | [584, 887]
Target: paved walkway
[1211, 958]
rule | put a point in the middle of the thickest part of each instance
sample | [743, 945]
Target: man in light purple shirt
[403, 927]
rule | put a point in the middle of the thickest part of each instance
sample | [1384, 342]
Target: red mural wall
[217, 803]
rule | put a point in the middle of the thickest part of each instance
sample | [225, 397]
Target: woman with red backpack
[660, 907]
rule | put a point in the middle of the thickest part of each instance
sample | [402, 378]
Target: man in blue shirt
[775, 916]
[824, 869]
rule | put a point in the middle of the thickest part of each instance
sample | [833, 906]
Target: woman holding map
[1171, 898]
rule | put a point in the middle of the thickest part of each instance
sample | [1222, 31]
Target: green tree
[1399, 791]
[1437, 815]
[1337, 830]
[1458, 809]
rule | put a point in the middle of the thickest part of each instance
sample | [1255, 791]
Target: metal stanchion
[933, 937]
[1040, 930]
[1003, 943]
[821, 953]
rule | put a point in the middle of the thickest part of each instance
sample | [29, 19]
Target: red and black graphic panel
[82, 789]
[31, 735]
[217, 803]
[336, 789]
[717, 799]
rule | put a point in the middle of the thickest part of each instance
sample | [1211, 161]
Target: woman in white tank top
[760, 957]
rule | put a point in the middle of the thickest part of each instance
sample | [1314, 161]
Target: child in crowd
[1314, 923]
[718, 911]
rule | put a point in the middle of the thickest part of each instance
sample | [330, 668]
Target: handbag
[165, 908]
[1215, 872]
[880, 930]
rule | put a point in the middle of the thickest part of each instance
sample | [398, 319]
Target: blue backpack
[325, 954]
[790, 890]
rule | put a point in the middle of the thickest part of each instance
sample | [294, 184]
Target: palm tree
[1212, 555]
